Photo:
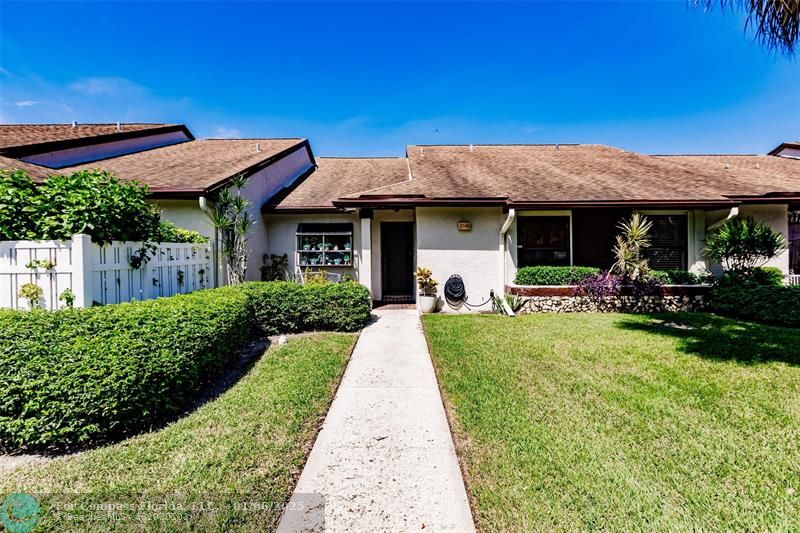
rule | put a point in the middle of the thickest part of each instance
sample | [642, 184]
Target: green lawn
[621, 422]
[247, 445]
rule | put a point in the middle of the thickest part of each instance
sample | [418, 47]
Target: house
[182, 173]
[787, 149]
[478, 211]
[482, 211]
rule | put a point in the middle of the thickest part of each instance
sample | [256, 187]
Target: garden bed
[569, 298]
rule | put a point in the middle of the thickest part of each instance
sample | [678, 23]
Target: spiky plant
[743, 244]
[233, 223]
[776, 22]
[634, 238]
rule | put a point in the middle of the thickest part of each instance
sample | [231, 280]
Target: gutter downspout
[205, 209]
[503, 231]
[733, 214]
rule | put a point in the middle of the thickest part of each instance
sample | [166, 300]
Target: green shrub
[762, 303]
[169, 232]
[77, 375]
[287, 307]
[93, 202]
[772, 276]
[553, 275]
[676, 277]
[761, 276]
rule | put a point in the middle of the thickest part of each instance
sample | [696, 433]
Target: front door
[397, 261]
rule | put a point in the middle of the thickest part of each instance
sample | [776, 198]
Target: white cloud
[31, 99]
[222, 132]
[4, 72]
[112, 86]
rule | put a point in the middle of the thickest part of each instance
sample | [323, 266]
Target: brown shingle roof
[195, 167]
[340, 176]
[744, 175]
[17, 135]
[572, 174]
[36, 172]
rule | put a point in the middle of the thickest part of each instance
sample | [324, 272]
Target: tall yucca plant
[233, 222]
[742, 244]
[776, 22]
[635, 237]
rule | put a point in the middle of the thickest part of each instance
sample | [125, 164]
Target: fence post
[82, 270]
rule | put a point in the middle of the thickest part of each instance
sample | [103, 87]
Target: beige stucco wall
[474, 255]
[260, 187]
[185, 214]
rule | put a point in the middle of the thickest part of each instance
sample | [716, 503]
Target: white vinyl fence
[794, 279]
[99, 275]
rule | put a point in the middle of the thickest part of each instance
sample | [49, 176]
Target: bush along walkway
[230, 465]
[384, 459]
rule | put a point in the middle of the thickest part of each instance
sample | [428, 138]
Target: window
[543, 240]
[794, 242]
[668, 242]
[329, 245]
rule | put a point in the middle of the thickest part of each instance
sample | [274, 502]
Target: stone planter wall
[565, 299]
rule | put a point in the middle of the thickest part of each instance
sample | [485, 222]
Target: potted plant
[306, 245]
[347, 258]
[427, 289]
[347, 246]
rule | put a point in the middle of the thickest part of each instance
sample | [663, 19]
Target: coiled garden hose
[455, 293]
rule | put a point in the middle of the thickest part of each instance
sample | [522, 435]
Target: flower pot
[427, 303]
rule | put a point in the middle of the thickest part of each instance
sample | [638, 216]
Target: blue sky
[368, 78]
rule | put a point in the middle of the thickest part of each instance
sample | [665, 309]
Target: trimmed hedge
[677, 277]
[75, 376]
[286, 307]
[553, 275]
[762, 303]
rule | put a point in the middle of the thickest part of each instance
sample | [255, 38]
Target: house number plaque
[463, 225]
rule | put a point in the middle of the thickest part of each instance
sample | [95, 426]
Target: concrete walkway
[384, 459]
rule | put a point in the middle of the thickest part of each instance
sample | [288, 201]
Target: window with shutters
[668, 242]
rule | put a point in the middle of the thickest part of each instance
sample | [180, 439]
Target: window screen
[543, 241]
[668, 242]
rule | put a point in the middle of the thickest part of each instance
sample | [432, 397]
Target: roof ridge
[708, 155]
[90, 124]
[510, 144]
[252, 139]
[361, 157]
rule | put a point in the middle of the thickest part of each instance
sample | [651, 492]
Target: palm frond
[239, 181]
[776, 22]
